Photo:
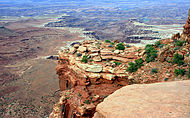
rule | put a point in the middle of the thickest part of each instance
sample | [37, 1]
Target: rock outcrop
[159, 100]
[88, 72]
[93, 69]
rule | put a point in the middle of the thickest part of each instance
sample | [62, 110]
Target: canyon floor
[29, 84]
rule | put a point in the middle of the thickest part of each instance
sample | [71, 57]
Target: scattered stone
[82, 49]
[97, 59]
[116, 51]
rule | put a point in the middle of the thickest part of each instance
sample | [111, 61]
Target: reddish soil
[28, 82]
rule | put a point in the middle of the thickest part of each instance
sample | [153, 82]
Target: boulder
[158, 100]
[116, 51]
[108, 76]
[76, 45]
[82, 49]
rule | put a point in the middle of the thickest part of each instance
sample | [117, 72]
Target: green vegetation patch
[87, 102]
[133, 67]
[85, 59]
[107, 41]
[179, 72]
[120, 46]
[178, 59]
[179, 42]
[154, 70]
[151, 53]
[117, 63]
[157, 43]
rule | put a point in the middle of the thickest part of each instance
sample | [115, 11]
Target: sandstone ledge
[159, 100]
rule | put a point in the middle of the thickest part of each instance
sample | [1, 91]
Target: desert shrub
[110, 46]
[179, 43]
[117, 63]
[120, 46]
[187, 55]
[175, 40]
[139, 62]
[107, 41]
[133, 67]
[112, 43]
[79, 54]
[87, 102]
[179, 72]
[161, 46]
[139, 50]
[157, 43]
[79, 94]
[151, 53]
[178, 59]
[84, 59]
[154, 70]
[176, 48]
[165, 79]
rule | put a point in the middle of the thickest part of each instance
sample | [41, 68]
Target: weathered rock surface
[94, 68]
[160, 100]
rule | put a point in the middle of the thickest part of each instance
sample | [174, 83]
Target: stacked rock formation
[90, 71]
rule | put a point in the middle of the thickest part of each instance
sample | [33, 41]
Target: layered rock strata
[92, 70]
[85, 84]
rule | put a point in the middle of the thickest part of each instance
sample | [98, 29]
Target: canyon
[102, 48]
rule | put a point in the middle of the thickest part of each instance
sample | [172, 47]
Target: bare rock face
[186, 31]
[160, 100]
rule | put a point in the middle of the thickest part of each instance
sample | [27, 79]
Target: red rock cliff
[89, 72]
[92, 70]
